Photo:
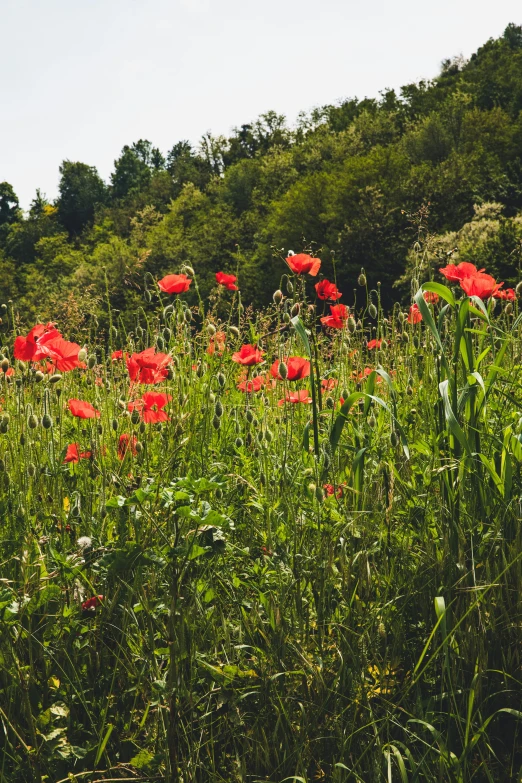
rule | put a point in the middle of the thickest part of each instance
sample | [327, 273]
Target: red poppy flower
[298, 368]
[431, 297]
[217, 342]
[150, 406]
[480, 285]
[62, 354]
[26, 347]
[329, 383]
[456, 273]
[374, 344]
[255, 385]
[174, 284]
[330, 490]
[508, 294]
[227, 280]
[364, 374]
[303, 264]
[83, 410]
[127, 443]
[92, 603]
[337, 318]
[414, 315]
[116, 356]
[9, 372]
[248, 355]
[148, 366]
[298, 396]
[73, 455]
[326, 290]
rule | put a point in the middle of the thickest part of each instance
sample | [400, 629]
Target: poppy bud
[311, 489]
[362, 279]
[160, 343]
[416, 342]
[82, 355]
[135, 417]
[282, 370]
[31, 469]
[188, 316]
[139, 331]
[239, 442]
[394, 440]
[249, 416]
[2, 466]
[268, 436]
[32, 422]
[114, 425]
[142, 427]
[290, 287]
[329, 403]
[216, 422]
[139, 447]
[262, 479]
[518, 289]
[319, 494]
[47, 421]
[372, 310]
[508, 309]
[212, 398]
[186, 269]
[4, 364]
[405, 337]
[23, 439]
[55, 378]
[345, 393]
[103, 511]
[91, 361]
[234, 330]
[167, 333]
[4, 427]
[409, 391]
[286, 318]
[372, 422]
[148, 296]
[221, 379]
[295, 310]
[211, 329]
[352, 326]
[218, 410]
[277, 296]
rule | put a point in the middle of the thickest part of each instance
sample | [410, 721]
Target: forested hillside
[358, 183]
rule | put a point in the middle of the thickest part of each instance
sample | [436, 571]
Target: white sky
[81, 78]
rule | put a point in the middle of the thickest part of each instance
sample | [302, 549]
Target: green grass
[254, 628]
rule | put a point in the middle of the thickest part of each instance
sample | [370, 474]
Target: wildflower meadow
[282, 544]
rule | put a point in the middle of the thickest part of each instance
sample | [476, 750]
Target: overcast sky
[81, 79]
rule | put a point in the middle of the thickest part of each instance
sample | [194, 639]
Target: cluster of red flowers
[475, 282]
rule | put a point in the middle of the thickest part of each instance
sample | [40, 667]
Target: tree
[81, 190]
[9, 204]
[134, 168]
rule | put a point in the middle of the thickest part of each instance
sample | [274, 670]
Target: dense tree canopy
[358, 182]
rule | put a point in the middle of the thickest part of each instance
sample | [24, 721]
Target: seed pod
[139, 447]
[282, 370]
[295, 310]
[277, 296]
[47, 421]
[32, 422]
[211, 329]
[188, 316]
[239, 442]
[218, 410]
[216, 422]
[372, 310]
[234, 330]
[39, 376]
[55, 378]
[135, 417]
[362, 279]
[221, 379]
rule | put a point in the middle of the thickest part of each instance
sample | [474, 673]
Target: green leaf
[301, 331]
[452, 422]
[443, 291]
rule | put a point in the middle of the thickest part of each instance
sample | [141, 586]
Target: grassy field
[295, 561]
